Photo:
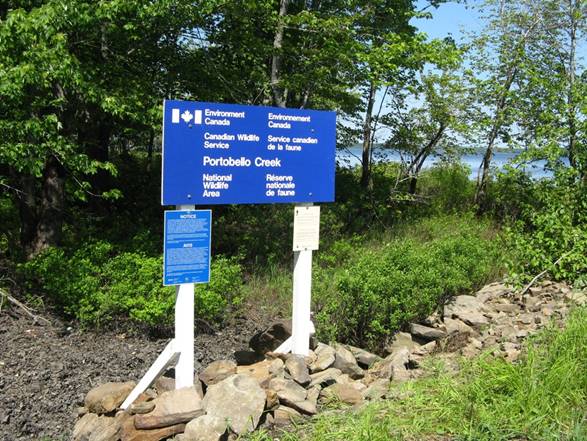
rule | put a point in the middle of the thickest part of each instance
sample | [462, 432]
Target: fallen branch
[28, 311]
[538, 276]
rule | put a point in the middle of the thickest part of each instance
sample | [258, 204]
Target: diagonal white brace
[166, 359]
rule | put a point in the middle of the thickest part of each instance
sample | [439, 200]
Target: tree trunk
[483, 178]
[27, 210]
[279, 95]
[572, 67]
[50, 220]
[366, 156]
[420, 158]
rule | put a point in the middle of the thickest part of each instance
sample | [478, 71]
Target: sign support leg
[184, 329]
[302, 293]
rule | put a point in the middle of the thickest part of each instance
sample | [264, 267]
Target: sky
[449, 18]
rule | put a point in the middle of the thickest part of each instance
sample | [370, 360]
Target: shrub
[551, 236]
[96, 285]
[403, 280]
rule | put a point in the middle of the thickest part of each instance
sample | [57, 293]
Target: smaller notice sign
[306, 228]
[186, 248]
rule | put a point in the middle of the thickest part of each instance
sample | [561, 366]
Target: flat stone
[205, 428]
[469, 309]
[346, 362]
[110, 428]
[401, 340]
[364, 358]
[426, 349]
[456, 326]
[297, 368]
[492, 292]
[172, 408]
[292, 395]
[86, 425]
[129, 432]
[376, 390]
[284, 416]
[325, 357]
[238, 399]
[425, 332]
[218, 371]
[325, 377]
[270, 338]
[142, 407]
[164, 384]
[262, 371]
[108, 396]
[345, 393]
[578, 297]
[506, 307]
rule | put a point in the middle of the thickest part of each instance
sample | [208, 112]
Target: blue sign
[186, 246]
[233, 154]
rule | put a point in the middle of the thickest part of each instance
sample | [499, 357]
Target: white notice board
[306, 228]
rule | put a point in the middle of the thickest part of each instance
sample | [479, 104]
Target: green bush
[551, 235]
[96, 285]
[382, 289]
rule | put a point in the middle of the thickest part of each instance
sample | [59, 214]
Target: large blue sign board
[186, 249]
[233, 154]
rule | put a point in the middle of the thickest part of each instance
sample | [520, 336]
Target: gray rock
[108, 396]
[401, 340]
[292, 395]
[297, 368]
[288, 391]
[346, 393]
[506, 307]
[205, 428]
[284, 416]
[142, 407]
[346, 362]
[326, 377]
[578, 297]
[325, 357]
[263, 371]
[218, 371]
[469, 309]
[86, 425]
[238, 399]
[171, 408]
[364, 358]
[376, 390]
[456, 326]
[425, 332]
[270, 338]
[492, 291]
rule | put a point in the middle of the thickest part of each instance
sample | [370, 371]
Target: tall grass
[541, 398]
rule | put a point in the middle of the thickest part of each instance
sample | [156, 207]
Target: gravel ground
[45, 371]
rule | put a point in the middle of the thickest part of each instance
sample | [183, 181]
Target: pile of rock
[232, 399]
[271, 389]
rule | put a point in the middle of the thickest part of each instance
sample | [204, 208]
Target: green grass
[541, 398]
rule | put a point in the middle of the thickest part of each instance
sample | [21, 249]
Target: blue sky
[450, 18]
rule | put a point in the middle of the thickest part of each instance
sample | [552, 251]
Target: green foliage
[96, 285]
[551, 235]
[380, 289]
[541, 398]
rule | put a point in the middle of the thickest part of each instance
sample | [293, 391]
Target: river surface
[351, 157]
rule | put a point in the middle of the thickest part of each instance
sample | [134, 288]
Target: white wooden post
[302, 325]
[302, 295]
[184, 329]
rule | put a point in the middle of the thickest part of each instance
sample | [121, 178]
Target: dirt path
[45, 371]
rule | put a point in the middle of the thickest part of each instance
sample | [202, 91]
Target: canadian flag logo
[186, 116]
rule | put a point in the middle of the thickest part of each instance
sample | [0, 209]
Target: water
[351, 157]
